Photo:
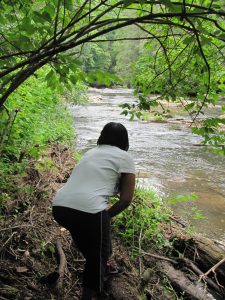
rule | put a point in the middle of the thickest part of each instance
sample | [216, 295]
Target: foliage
[77, 94]
[175, 199]
[213, 132]
[96, 56]
[34, 117]
[125, 51]
[38, 116]
[142, 222]
[35, 33]
[47, 248]
[179, 71]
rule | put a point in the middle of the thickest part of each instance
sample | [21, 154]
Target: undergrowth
[142, 223]
[33, 118]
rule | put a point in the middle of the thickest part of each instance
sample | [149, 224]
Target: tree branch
[207, 66]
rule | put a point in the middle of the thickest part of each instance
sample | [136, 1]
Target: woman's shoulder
[111, 149]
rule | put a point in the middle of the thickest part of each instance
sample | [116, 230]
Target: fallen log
[182, 284]
[183, 281]
[194, 268]
[186, 263]
[206, 254]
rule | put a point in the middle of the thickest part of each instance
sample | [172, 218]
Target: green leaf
[26, 22]
[188, 40]
[46, 16]
[214, 5]
[139, 114]
[69, 5]
[124, 112]
[73, 79]
[3, 20]
[189, 105]
[50, 9]
[205, 40]
[166, 3]
[222, 36]
[126, 3]
[51, 79]
[49, 75]
[131, 117]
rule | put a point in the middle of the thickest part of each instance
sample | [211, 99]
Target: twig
[203, 276]
[139, 246]
[61, 268]
[158, 257]
[150, 293]
[197, 271]
[9, 239]
[177, 221]
[19, 226]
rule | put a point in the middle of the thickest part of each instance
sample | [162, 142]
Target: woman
[81, 205]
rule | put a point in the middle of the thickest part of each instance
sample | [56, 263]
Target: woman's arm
[127, 185]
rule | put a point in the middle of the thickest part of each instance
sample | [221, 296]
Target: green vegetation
[34, 118]
[180, 72]
[142, 223]
[146, 220]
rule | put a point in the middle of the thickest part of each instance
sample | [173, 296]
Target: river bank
[33, 248]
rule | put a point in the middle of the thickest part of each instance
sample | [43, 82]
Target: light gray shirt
[94, 179]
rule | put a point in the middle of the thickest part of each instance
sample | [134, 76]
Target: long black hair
[114, 134]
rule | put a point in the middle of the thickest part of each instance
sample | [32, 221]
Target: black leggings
[91, 234]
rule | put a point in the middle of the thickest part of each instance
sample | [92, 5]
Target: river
[166, 156]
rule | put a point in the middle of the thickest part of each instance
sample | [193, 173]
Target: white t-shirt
[94, 179]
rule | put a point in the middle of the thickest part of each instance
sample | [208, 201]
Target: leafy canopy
[182, 35]
[35, 33]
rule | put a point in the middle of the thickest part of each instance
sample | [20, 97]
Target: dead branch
[8, 240]
[61, 268]
[203, 276]
[197, 271]
[158, 257]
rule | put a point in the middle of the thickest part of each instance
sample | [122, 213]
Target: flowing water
[166, 156]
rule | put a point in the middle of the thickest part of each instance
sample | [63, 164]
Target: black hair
[114, 134]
